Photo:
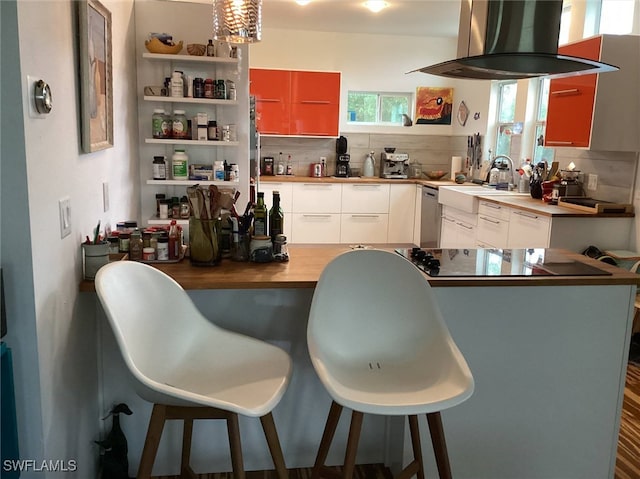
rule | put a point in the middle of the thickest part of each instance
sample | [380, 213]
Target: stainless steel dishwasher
[430, 218]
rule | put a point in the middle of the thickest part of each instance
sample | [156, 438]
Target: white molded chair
[379, 345]
[188, 367]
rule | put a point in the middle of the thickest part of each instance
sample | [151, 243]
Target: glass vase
[204, 242]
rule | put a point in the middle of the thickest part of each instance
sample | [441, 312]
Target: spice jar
[280, 250]
[135, 246]
[114, 247]
[148, 254]
[163, 248]
[261, 249]
[123, 242]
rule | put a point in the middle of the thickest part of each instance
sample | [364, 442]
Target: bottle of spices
[164, 209]
[173, 241]
[123, 242]
[159, 168]
[162, 252]
[179, 164]
[114, 247]
[175, 207]
[209, 89]
[159, 197]
[146, 239]
[148, 254]
[185, 209]
[135, 245]
[211, 49]
[180, 127]
[157, 120]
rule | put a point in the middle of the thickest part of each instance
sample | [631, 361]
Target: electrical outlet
[65, 216]
[105, 196]
[593, 182]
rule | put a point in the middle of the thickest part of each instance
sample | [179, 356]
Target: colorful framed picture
[96, 86]
[434, 105]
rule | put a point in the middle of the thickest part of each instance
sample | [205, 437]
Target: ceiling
[432, 18]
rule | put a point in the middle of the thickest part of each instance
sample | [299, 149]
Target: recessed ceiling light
[303, 2]
[376, 5]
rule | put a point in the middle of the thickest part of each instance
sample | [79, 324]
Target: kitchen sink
[465, 197]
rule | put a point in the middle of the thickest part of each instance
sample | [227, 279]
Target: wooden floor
[627, 464]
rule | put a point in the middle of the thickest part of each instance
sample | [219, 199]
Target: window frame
[380, 95]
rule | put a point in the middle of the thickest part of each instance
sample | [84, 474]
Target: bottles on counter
[280, 168]
[260, 217]
[276, 217]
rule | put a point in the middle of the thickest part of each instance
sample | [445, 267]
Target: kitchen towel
[456, 165]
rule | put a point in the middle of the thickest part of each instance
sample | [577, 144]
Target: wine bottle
[260, 217]
[276, 217]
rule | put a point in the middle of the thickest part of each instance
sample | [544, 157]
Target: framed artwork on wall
[434, 105]
[96, 80]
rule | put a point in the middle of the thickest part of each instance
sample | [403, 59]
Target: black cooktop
[497, 262]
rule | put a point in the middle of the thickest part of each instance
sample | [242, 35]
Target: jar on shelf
[180, 127]
[159, 168]
[177, 84]
[198, 88]
[158, 119]
[179, 164]
[209, 88]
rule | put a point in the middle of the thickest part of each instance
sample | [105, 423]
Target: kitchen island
[548, 355]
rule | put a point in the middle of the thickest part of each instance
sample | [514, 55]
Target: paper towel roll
[456, 165]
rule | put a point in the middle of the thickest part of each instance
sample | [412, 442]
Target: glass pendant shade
[237, 21]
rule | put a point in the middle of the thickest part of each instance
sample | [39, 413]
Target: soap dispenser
[369, 162]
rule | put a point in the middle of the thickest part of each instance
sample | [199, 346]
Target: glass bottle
[260, 217]
[276, 217]
[280, 165]
[135, 245]
[173, 240]
[211, 49]
[289, 166]
[159, 168]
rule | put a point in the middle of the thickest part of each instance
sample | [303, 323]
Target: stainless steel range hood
[511, 39]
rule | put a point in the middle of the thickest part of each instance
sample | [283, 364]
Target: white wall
[66, 369]
[374, 63]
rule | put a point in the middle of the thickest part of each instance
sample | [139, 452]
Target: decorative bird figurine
[113, 460]
[406, 121]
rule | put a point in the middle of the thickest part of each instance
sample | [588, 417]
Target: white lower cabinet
[493, 225]
[402, 216]
[528, 230]
[458, 228]
[364, 228]
[315, 228]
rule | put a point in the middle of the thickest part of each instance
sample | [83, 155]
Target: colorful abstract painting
[434, 105]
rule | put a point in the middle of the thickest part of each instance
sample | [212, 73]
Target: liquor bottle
[289, 166]
[276, 217]
[280, 165]
[260, 217]
[173, 241]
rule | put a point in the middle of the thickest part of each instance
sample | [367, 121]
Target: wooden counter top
[354, 180]
[307, 262]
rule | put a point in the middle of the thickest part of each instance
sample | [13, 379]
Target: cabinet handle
[551, 142]
[571, 91]
[489, 220]
[374, 185]
[312, 133]
[465, 226]
[526, 215]
[317, 184]
[316, 216]
[316, 102]
[269, 100]
[269, 132]
[448, 219]
[365, 216]
[491, 205]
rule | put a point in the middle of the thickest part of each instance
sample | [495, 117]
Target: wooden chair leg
[439, 445]
[185, 468]
[235, 445]
[152, 441]
[415, 444]
[352, 444]
[271, 434]
[327, 438]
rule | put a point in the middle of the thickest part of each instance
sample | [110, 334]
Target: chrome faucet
[510, 163]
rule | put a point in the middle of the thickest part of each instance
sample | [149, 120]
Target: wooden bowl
[156, 46]
[435, 175]
[196, 49]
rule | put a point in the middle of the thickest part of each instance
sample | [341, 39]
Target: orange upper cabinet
[315, 103]
[271, 90]
[597, 111]
[296, 102]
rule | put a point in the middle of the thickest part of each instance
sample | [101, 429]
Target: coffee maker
[343, 170]
[570, 184]
[394, 165]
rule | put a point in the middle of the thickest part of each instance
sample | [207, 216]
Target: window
[616, 17]
[540, 153]
[377, 108]
[508, 129]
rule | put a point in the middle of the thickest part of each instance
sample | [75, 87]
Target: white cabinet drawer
[316, 198]
[365, 198]
[528, 230]
[459, 215]
[496, 210]
[285, 190]
[315, 228]
[492, 230]
[364, 228]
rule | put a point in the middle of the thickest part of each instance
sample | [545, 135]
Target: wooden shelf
[201, 101]
[160, 141]
[188, 58]
[226, 184]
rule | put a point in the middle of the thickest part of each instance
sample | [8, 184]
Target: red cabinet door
[271, 89]
[315, 103]
[571, 100]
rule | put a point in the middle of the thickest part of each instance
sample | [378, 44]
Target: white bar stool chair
[188, 367]
[379, 345]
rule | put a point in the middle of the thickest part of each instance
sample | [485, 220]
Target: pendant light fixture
[237, 21]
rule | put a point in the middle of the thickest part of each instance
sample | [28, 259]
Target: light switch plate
[592, 183]
[65, 216]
